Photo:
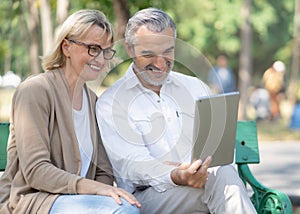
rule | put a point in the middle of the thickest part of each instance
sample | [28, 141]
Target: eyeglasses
[95, 50]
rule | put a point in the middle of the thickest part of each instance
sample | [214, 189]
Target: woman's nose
[100, 59]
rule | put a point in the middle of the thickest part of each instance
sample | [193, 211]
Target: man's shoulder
[177, 74]
[184, 78]
[194, 84]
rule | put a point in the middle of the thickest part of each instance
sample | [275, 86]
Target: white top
[83, 134]
[141, 130]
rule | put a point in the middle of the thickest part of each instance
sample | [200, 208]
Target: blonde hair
[75, 26]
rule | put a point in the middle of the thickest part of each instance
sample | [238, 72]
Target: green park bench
[265, 200]
[4, 133]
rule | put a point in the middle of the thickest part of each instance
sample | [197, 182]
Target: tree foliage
[212, 27]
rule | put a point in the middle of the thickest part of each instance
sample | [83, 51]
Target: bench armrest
[265, 200]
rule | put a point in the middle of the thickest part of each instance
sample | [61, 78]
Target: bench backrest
[246, 147]
[4, 133]
[246, 143]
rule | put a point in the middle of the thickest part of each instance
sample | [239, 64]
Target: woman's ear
[65, 47]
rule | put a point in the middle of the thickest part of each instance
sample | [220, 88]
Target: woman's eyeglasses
[95, 50]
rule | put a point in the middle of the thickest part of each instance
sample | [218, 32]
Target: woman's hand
[87, 186]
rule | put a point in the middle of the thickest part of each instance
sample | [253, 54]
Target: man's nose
[161, 62]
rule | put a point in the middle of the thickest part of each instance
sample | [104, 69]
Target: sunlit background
[252, 33]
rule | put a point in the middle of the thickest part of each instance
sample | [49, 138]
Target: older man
[146, 122]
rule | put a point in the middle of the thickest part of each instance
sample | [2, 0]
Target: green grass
[276, 131]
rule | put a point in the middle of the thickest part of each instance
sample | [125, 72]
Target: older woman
[56, 160]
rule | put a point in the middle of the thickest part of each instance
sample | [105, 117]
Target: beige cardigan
[43, 153]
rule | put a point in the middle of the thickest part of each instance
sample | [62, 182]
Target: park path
[279, 166]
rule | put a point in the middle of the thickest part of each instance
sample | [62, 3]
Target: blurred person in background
[274, 81]
[260, 100]
[295, 118]
[221, 78]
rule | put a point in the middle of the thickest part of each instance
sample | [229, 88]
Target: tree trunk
[62, 10]
[122, 15]
[296, 55]
[7, 62]
[33, 24]
[46, 24]
[245, 60]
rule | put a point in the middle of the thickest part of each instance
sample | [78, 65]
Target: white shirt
[141, 130]
[83, 134]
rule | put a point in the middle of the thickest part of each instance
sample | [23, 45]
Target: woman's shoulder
[42, 80]
[36, 81]
[35, 86]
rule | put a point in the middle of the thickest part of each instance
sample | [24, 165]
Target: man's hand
[192, 175]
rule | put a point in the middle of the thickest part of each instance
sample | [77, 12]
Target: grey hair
[154, 19]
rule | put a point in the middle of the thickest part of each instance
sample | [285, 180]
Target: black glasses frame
[95, 50]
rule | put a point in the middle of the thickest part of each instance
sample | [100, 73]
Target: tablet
[215, 128]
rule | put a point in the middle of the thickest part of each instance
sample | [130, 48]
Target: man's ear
[129, 50]
[65, 47]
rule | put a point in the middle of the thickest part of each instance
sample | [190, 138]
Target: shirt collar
[132, 80]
